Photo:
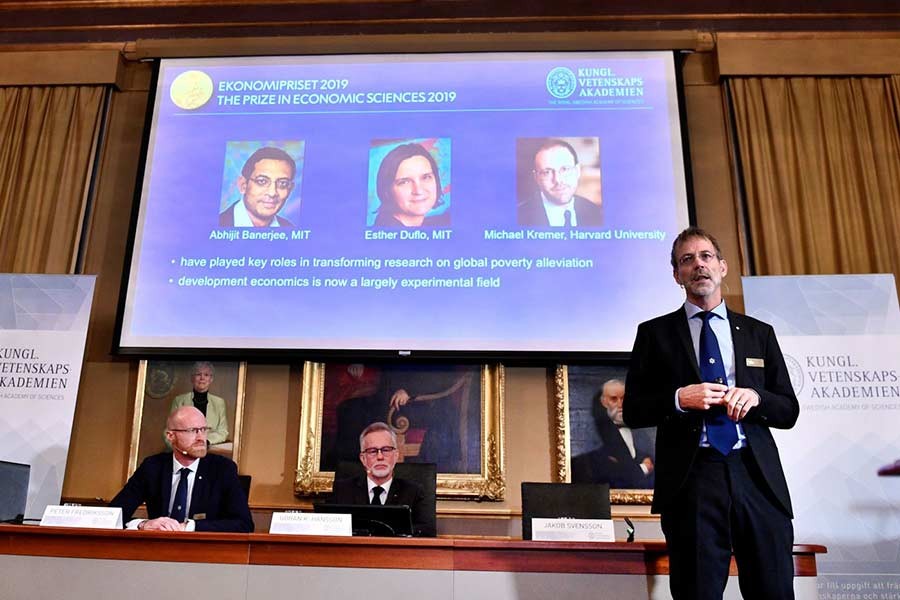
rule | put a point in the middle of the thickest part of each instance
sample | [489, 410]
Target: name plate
[311, 524]
[85, 517]
[573, 530]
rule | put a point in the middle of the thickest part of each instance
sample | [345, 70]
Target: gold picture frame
[160, 382]
[568, 418]
[483, 477]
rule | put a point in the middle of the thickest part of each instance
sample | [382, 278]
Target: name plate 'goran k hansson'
[295, 523]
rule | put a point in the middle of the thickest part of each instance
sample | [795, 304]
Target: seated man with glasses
[186, 489]
[556, 174]
[378, 454]
[266, 181]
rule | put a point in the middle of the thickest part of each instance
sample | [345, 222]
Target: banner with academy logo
[43, 327]
[840, 335]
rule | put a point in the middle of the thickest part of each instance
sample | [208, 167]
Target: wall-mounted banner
[840, 335]
[43, 326]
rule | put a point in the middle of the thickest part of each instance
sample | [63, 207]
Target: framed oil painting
[593, 445]
[450, 415]
[217, 388]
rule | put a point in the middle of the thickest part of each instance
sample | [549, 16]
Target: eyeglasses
[194, 430]
[265, 181]
[705, 256]
[560, 172]
[374, 451]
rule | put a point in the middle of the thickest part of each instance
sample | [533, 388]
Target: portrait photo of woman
[408, 190]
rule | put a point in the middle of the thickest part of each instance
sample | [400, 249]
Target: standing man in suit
[556, 174]
[266, 181]
[714, 381]
[186, 489]
[378, 454]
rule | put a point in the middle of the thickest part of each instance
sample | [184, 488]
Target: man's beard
[615, 415]
[197, 451]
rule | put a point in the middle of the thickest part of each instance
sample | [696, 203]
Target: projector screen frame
[525, 357]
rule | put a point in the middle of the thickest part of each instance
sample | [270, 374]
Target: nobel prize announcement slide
[439, 204]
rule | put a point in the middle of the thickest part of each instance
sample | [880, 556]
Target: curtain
[46, 149]
[820, 158]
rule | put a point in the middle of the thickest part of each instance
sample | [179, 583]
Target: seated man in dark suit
[378, 454]
[186, 489]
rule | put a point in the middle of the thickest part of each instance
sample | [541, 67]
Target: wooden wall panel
[809, 54]
[713, 181]
[270, 432]
[49, 21]
[73, 67]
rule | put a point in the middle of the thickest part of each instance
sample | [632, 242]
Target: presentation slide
[431, 203]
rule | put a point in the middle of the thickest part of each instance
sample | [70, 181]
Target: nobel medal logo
[561, 82]
[191, 90]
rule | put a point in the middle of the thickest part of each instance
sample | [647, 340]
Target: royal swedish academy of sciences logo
[191, 90]
[795, 372]
[561, 82]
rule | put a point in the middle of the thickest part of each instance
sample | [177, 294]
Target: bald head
[186, 431]
[182, 415]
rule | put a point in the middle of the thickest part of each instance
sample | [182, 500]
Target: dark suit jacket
[410, 493]
[531, 212]
[217, 493]
[663, 360]
[226, 218]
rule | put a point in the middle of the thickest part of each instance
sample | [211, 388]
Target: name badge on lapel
[756, 362]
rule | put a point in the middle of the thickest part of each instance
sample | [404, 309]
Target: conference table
[50, 562]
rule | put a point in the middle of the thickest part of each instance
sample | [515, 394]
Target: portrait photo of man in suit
[265, 184]
[186, 489]
[713, 382]
[379, 486]
[549, 180]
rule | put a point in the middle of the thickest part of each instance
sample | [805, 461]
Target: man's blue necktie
[721, 431]
[179, 506]
[568, 217]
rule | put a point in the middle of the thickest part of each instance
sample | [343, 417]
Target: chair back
[244, 482]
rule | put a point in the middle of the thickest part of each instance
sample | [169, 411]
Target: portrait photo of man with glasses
[267, 180]
[556, 189]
